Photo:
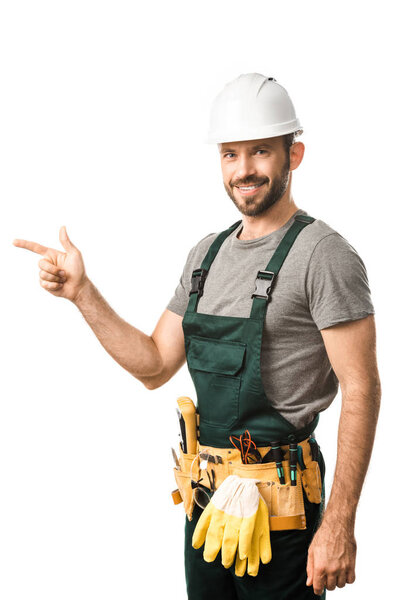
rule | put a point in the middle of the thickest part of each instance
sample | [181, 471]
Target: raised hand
[61, 273]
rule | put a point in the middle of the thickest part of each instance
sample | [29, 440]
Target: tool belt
[285, 502]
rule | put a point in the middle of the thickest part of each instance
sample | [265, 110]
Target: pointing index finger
[32, 246]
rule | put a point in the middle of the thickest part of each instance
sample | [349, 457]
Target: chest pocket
[216, 368]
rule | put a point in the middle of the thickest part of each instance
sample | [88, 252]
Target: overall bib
[223, 356]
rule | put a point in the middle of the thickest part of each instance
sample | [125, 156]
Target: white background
[104, 109]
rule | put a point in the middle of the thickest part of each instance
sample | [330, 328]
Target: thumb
[64, 239]
[310, 569]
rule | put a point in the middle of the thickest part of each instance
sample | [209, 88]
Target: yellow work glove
[260, 544]
[228, 520]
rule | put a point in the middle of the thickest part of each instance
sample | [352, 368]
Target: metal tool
[174, 456]
[182, 428]
[211, 479]
[211, 458]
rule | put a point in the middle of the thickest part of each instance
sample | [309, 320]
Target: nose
[245, 167]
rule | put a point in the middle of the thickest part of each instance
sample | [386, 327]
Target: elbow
[365, 385]
[155, 379]
[361, 394]
[376, 389]
[151, 385]
[154, 382]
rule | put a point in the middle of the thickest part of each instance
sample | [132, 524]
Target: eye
[261, 151]
[228, 154]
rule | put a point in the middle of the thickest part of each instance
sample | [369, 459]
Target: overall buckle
[198, 279]
[263, 284]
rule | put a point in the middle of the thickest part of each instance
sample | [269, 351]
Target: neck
[274, 218]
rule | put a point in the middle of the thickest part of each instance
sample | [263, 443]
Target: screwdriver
[293, 463]
[277, 454]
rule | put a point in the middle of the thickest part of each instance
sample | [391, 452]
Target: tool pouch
[285, 502]
[184, 484]
[189, 470]
[311, 462]
[311, 478]
[312, 481]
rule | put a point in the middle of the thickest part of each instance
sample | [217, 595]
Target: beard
[252, 207]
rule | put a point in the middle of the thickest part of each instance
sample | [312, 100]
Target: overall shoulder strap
[199, 275]
[216, 245]
[265, 279]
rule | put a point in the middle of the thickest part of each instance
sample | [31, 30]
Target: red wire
[245, 444]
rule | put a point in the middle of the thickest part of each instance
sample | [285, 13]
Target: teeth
[250, 187]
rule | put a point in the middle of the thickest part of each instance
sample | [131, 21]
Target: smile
[247, 190]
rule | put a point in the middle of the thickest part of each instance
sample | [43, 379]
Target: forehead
[271, 143]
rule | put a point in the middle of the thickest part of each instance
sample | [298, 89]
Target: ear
[296, 154]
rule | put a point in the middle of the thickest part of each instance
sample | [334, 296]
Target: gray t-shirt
[323, 281]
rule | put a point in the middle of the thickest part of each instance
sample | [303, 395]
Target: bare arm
[154, 359]
[151, 359]
[351, 349]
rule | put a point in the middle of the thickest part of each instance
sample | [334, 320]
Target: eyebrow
[256, 147]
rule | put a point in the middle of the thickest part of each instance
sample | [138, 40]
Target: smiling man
[271, 315]
[318, 332]
[246, 180]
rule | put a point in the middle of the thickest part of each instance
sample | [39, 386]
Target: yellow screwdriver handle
[188, 410]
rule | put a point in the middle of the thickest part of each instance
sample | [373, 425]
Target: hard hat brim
[258, 133]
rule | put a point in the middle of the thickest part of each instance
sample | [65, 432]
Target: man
[271, 372]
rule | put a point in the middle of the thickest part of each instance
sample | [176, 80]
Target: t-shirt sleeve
[180, 299]
[337, 283]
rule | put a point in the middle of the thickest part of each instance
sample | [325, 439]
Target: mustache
[249, 181]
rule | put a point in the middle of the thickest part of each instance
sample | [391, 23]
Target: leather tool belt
[285, 502]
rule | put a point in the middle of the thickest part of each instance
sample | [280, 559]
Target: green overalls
[223, 356]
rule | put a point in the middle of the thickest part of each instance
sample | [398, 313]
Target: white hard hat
[251, 107]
